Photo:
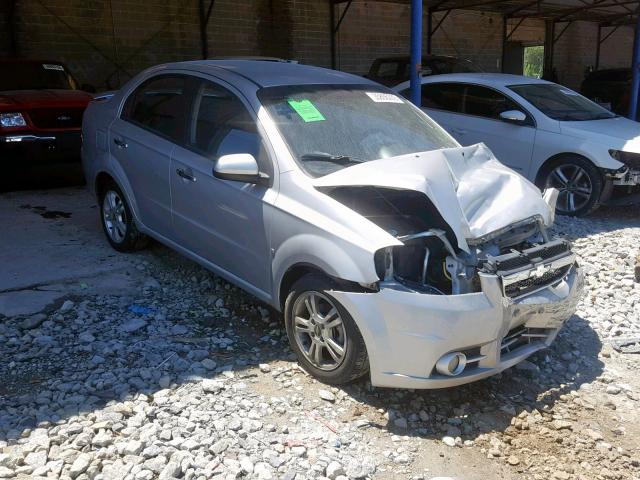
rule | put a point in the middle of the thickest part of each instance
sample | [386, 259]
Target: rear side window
[221, 124]
[159, 105]
[485, 102]
[443, 96]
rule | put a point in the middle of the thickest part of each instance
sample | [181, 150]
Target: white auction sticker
[380, 97]
[50, 66]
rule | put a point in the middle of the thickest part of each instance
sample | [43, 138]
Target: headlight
[631, 160]
[12, 120]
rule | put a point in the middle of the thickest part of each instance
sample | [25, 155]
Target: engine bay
[428, 261]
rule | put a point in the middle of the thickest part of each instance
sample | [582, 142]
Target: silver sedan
[390, 249]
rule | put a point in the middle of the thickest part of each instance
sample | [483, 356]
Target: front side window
[560, 103]
[221, 123]
[159, 105]
[330, 127]
[485, 102]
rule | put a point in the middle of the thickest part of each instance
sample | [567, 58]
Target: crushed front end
[443, 317]
[470, 283]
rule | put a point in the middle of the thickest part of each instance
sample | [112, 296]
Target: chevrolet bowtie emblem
[540, 270]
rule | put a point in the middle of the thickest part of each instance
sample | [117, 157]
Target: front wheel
[323, 334]
[579, 183]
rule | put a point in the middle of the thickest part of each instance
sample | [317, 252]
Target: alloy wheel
[319, 330]
[114, 216]
[574, 185]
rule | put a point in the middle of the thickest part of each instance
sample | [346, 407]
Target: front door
[511, 143]
[142, 141]
[219, 220]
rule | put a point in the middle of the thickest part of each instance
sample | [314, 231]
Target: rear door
[221, 221]
[511, 143]
[142, 139]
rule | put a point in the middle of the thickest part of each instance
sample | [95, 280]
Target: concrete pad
[52, 245]
[26, 302]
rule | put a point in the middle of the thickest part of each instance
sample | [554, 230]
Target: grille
[520, 336]
[57, 118]
[530, 284]
[518, 260]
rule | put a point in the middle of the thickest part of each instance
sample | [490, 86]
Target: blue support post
[416, 50]
[635, 68]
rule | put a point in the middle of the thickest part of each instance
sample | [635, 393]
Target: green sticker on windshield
[307, 110]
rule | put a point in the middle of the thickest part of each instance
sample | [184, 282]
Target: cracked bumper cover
[406, 332]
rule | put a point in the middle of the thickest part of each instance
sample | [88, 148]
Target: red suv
[41, 111]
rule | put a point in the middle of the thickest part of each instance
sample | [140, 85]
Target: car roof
[271, 74]
[489, 79]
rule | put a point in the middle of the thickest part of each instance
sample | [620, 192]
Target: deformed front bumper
[406, 332]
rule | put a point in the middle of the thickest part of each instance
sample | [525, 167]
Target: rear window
[159, 105]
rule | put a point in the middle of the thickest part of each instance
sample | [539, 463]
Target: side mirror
[87, 87]
[514, 116]
[239, 167]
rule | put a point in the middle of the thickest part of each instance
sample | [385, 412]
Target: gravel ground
[185, 376]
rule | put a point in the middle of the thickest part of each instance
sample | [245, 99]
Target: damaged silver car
[391, 250]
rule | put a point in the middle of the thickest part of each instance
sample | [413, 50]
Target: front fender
[356, 265]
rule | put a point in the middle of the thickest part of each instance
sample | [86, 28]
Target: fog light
[451, 364]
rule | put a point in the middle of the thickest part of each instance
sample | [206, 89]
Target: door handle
[187, 176]
[119, 142]
[458, 131]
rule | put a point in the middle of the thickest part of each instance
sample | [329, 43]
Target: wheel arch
[102, 179]
[555, 160]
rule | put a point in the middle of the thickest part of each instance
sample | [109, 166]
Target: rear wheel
[579, 183]
[323, 334]
[117, 221]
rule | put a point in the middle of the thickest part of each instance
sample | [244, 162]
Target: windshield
[560, 103]
[35, 76]
[330, 127]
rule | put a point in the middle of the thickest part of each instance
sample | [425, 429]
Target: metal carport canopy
[606, 13]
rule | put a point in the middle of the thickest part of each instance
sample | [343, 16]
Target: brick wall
[475, 36]
[576, 50]
[5, 40]
[81, 33]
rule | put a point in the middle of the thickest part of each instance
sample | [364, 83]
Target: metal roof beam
[463, 6]
[444, 17]
[564, 13]
[508, 36]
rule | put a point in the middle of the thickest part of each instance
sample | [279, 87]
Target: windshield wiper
[327, 157]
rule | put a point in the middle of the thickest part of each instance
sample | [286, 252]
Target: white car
[550, 134]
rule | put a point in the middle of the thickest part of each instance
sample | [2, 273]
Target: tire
[579, 182]
[117, 221]
[352, 363]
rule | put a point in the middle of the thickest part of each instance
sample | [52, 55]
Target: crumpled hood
[474, 192]
[619, 133]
